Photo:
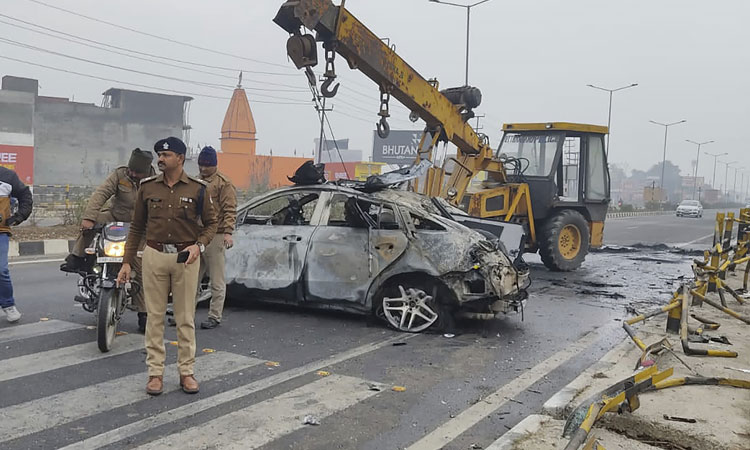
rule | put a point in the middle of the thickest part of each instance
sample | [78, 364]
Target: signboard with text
[400, 147]
[19, 158]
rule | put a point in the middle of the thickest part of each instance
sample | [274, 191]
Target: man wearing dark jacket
[10, 187]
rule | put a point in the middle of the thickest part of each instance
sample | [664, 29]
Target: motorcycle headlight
[114, 248]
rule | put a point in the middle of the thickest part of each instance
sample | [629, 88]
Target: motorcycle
[97, 287]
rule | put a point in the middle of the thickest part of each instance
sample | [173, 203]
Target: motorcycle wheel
[107, 318]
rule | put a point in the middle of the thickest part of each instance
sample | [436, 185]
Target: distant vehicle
[690, 208]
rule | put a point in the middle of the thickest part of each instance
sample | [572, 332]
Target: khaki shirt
[121, 189]
[170, 215]
[224, 197]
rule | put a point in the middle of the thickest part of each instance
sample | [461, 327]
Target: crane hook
[383, 128]
[326, 90]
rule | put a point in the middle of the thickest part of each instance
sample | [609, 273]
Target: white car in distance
[690, 208]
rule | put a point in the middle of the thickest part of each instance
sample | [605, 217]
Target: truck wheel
[564, 241]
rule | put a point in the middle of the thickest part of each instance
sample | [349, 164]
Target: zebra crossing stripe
[469, 417]
[266, 421]
[48, 412]
[23, 366]
[30, 330]
[190, 409]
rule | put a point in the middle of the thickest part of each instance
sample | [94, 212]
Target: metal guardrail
[615, 215]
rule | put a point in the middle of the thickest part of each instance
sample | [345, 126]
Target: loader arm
[342, 33]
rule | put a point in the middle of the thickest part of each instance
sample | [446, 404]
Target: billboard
[19, 158]
[400, 147]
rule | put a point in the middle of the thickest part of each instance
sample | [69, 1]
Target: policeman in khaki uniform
[176, 215]
[213, 259]
[121, 187]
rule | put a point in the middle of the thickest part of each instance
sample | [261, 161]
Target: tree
[672, 177]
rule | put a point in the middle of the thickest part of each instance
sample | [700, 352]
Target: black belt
[168, 248]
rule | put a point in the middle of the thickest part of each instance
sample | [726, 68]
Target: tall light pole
[713, 178]
[697, 158]
[726, 176]
[468, 18]
[664, 156]
[609, 116]
[734, 187]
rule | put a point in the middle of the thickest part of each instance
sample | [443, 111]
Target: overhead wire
[161, 57]
[156, 36]
[223, 87]
[135, 56]
[72, 72]
[321, 108]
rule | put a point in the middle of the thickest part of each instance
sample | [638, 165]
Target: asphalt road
[681, 232]
[258, 370]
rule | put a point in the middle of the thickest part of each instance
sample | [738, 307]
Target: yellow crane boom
[341, 32]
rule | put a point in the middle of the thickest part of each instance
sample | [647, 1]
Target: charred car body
[400, 255]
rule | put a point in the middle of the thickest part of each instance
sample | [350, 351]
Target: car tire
[402, 291]
[564, 241]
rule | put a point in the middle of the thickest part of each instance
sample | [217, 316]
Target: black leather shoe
[210, 323]
[142, 322]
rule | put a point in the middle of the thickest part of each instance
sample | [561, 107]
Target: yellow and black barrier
[685, 311]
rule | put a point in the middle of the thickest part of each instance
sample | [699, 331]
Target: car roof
[404, 198]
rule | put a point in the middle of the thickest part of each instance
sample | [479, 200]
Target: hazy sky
[531, 59]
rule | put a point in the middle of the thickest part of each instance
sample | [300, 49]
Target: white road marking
[203, 404]
[259, 424]
[683, 245]
[23, 366]
[451, 429]
[48, 412]
[36, 261]
[29, 330]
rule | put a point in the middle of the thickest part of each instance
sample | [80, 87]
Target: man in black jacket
[10, 187]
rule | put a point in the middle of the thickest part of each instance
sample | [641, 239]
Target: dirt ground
[34, 233]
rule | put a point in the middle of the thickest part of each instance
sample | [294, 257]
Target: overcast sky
[531, 59]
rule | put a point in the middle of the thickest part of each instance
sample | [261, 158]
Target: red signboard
[19, 158]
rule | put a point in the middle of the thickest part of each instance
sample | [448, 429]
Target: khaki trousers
[213, 260]
[162, 274]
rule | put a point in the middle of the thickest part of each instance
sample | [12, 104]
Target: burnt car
[399, 255]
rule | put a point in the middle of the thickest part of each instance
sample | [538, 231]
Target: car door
[270, 246]
[348, 250]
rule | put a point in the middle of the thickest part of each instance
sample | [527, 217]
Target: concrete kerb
[720, 420]
[46, 247]
[525, 428]
[543, 432]
[566, 399]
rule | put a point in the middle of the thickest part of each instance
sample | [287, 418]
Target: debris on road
[679, 419]
[311, 420]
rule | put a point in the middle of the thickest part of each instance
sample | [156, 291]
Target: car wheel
[413, 308]
[564, 241]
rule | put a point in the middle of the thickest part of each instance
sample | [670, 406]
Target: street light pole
[713, 178]
[726, 179]
[609, 116]
[697, 158]
[468, 20]
[664, 156]
[734, 187]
